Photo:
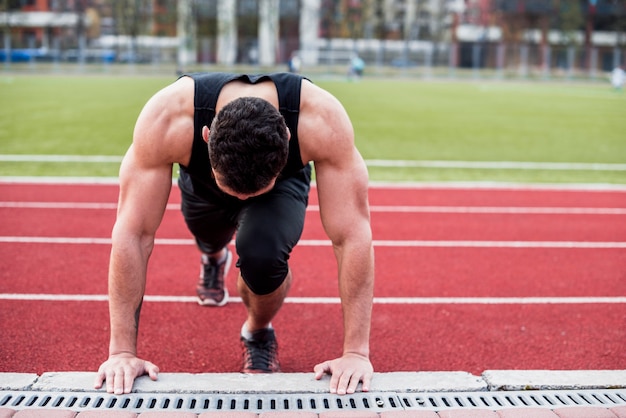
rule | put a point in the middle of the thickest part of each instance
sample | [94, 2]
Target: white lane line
[482, 165]
[500, 210]
[517, 210]
[35, 158]
[497, 165]
[378, 185]
[327, 243]
[336, 300]
[501, 244]
[62, 205]
[67, 240]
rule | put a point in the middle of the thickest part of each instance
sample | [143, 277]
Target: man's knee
[262, 268]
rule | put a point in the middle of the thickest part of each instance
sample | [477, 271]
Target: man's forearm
[356, 287]
[124, 330]
[126, 289]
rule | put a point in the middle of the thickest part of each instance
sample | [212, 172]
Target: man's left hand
[346, 373]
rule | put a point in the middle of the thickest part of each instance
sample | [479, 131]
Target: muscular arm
[133, 240]
[342, 181]
[145, 183]
[345, 216]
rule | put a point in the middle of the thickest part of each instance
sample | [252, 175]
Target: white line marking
[336, 300]
[69, 181]
[499, 244]
[62, 205]
[327, 243]
[419, 185]
[61, 158]
[500, 300]
[67, 240]
[497, 165]
[496, 185]
[374, 208]
[518, 210]
[482, 165]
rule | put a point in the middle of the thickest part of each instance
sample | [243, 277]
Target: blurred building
[267, 32]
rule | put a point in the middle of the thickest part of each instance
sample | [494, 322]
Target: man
[618, 77]
[244, 145]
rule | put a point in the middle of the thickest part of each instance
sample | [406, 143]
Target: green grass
[487, 122]
[393, 119]
[90, 115]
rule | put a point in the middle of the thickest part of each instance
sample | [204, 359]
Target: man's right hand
[121, 370]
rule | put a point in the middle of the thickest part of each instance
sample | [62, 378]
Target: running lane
[418, 257]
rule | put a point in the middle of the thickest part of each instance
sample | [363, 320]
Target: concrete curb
[554, 380]
[404, 382]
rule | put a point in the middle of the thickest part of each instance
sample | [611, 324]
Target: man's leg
[264, 242]
[258, 339]
[262, 308]
[211, 287]
[212, 222]
[270, 226]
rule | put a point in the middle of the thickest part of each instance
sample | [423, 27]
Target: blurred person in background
[357, 67]
[618, 78]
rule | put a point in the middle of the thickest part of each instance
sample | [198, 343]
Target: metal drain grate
[519, 399]
[198, 403]
[383, 401]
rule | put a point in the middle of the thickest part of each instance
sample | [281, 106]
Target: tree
[132, 18]
[569, 19]
[619, 24]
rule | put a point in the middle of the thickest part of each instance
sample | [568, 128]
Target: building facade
[269, 32]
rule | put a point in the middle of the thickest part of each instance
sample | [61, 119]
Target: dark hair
[248, 144]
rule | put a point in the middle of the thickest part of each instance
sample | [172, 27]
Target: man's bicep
[144, 191]
[342, 192]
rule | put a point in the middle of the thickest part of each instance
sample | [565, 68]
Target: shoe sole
[259, 371]
[211, 302]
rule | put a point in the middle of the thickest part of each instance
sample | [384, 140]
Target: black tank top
[207, 90]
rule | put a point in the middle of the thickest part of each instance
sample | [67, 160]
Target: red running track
[483, 250]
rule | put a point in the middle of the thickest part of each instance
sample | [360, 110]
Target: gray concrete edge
[285, 383]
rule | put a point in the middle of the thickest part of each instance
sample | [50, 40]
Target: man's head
[248, 146]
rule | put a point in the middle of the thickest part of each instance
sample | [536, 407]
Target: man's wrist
[357, 353]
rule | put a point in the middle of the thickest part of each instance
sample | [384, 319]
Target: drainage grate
[383, 401]
[79, 401]
[519, 399]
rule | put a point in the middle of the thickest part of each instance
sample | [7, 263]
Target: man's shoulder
[208, 74]
[210, 78]
[175, 95]
[316, 100]
[324, 127]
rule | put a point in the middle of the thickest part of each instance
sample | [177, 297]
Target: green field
[407, 120]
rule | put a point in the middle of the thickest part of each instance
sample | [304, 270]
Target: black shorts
[267, 226]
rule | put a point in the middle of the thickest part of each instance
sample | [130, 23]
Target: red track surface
[407, 335]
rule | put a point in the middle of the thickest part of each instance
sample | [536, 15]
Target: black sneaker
[260, 354]
[210, 289]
